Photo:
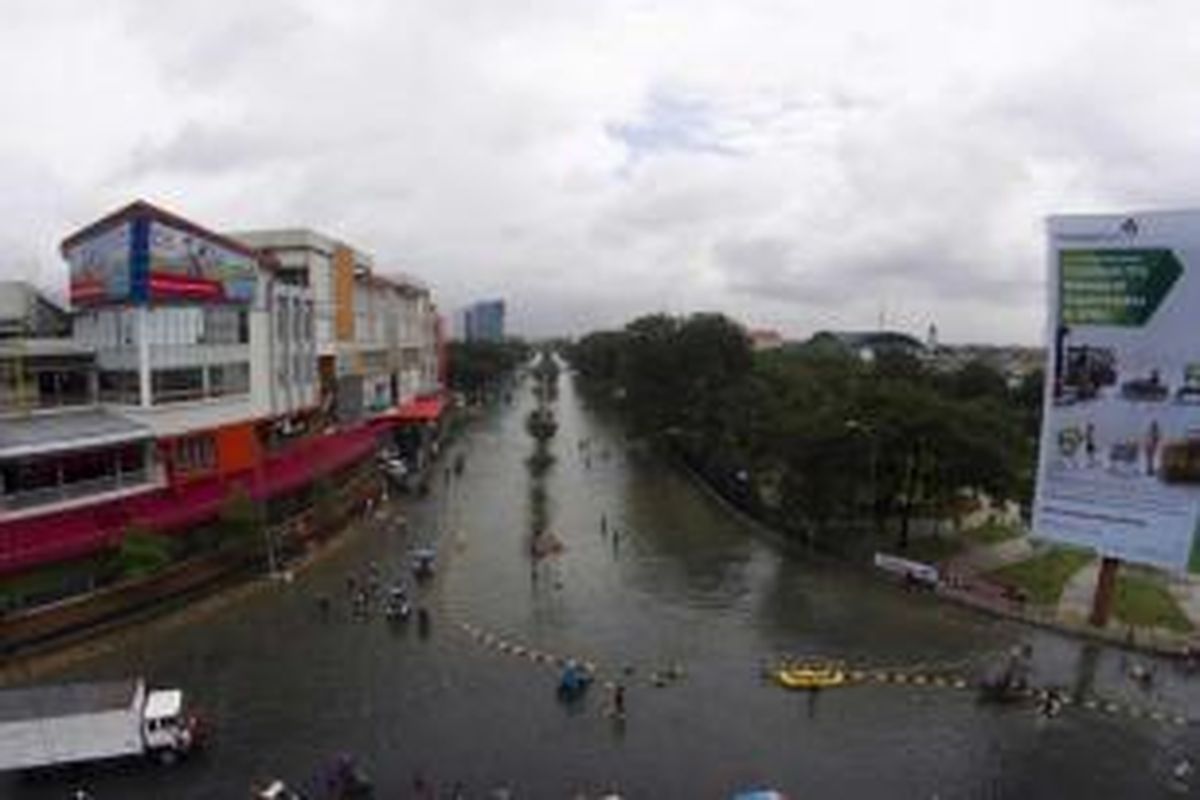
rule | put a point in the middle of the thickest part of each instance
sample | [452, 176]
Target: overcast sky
[797, 165]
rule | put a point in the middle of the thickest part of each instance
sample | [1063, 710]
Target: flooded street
[652, 573]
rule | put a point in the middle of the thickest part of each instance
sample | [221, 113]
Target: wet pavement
[671, 578]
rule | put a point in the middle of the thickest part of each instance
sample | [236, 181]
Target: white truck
[48, 726]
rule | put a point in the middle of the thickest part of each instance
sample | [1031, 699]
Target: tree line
[480, 369]
[815, 440]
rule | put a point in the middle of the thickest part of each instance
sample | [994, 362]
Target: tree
[324, 504]
[240, 517]
[141, 553]
[976, 379]
[835, 439]
[477, 368]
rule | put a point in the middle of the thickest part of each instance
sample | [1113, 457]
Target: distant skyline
[796, 165]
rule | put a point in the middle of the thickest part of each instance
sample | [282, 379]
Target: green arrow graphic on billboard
[1115, 287]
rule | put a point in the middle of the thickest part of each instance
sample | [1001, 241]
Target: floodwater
[672, 578]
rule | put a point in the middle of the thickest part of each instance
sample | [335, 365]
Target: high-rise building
[484, 321]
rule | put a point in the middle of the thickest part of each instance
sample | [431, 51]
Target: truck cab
[165, 728]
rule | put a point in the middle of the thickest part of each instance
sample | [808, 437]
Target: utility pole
[1106, 586]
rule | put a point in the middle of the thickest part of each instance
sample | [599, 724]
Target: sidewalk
[1075, 604]
[985, 558]
[1187, 594]
[968, 583]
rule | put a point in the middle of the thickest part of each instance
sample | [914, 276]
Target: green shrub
[142, 553]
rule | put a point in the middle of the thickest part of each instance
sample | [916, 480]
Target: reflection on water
[670, 577]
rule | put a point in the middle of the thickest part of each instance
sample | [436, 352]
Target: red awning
[313, 458]
[422, 409]
[26, 543]
[55, 537]
[171, 510]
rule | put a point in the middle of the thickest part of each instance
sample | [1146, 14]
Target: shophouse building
[201, 365]
[377, 333]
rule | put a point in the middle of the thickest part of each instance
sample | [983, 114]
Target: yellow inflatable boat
[810, 676]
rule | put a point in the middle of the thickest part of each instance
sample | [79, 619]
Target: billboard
[100, 267]
[1119, 463]
[144, 258]
[187, 266]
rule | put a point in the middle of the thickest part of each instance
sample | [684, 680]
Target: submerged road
[672, 578]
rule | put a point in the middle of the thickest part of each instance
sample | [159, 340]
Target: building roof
[402, 282]
[140, 208]
[26, 310]
[70, 430]
[283, 239]
[65, 700]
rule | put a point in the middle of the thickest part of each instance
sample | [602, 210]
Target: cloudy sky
[795, 164]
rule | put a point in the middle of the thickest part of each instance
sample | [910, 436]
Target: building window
[195, 454]
[120, 386]
[227, 379]
[176, 385]
[131, 459]
[49, 479]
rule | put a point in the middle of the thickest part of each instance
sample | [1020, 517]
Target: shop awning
[311, 459]
[421, 409]
[55, 537]
[26, 543]
[174, 510]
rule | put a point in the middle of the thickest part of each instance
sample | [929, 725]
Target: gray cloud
[799, 164]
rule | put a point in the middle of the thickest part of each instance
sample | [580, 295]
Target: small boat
[573, 682]
[810, 676]
[399, 609]
[422, 562]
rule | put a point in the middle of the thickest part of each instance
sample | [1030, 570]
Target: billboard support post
[1106, 589]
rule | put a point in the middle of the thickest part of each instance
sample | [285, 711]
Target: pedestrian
[1153, 437]
[619, 701]
[603, 523]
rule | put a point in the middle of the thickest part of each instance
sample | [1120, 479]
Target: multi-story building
[58, 448]
[180, 321]
[376, 334]
[201, 363]
[26, 312]
[484, 321]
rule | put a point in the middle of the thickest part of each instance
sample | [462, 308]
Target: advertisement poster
[100, 267]
[1119, 468]
[145, 259]
[184, 265]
